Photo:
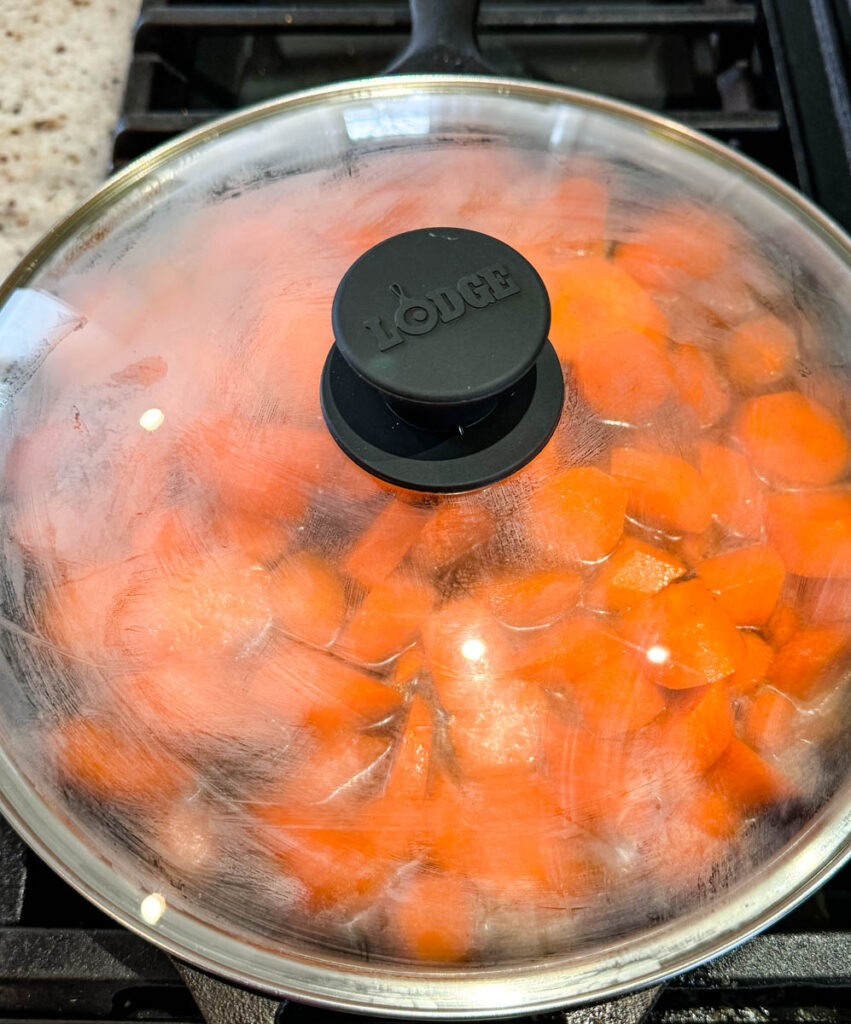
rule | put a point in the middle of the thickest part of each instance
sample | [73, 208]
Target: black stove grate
[768, 78]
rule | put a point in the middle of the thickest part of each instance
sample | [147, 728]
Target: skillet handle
[443, 40]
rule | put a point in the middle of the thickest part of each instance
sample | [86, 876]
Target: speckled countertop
[63, 65]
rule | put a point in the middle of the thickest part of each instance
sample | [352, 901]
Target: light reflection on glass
[473, 650]
[658, 654]
[151, 419]
[152, 907]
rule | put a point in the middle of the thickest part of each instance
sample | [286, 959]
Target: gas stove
[768, 78]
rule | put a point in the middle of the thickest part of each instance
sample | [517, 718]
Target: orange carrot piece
[760, 353]
[408, 666]
[432, 917]
[744, 777]
[252, 467]
[466, 650]
[808, 662]
[699, 383]
[824, 602]
[260, 539]
[385, 542]
[617, 697]
[307, 597]
[735, 493]
[331, 776]
[693, 734]
[791, 440]
[468, 836]
[747, 583]
[538, 599]
[811, 531]
[302, 686]
[593, 298]
[586, 773]
[566, 651]
[782, 625]
[499, 730]
[103, 761]
[769, 721]
[634, 571]
[662, 490]
[388, 619]
[577, 515]
[753, 667]
[179, 699]
[453, 530]
[408, 778]
[684, 239]
[202, 608]
[685, 635]
[625, 377]
[711, 812]
[339, 867]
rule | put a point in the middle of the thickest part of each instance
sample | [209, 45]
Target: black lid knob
[441, 378]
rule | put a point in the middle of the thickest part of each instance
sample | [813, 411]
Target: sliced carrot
[634, 571]
[468, 836]
[337, 863]
[385, 542]
[408, 778]
[744, 777]
[577, 515]
[735, 493]
[685, 635]
[307, 597]
[684, 238]
[388, 619]
[466, 651]
[616, 696]
[567, 650]
[199, 609]
[711, 812]
[760, 353]
[811, 531]
[769, 721]
[538, 599]
[593, 298]
[808, 662]
[76, 613]
[753, 667]
[693, 734]
[250, 467]
[500, 732]
[408, 666]
[453, 530]
[260, 539]
[747, 583]
[699, 383]
[624, 377]
[333, 775]
[100, 758]
[303, 686]
[783, 623]
[178, 699]
[432, 917]
[791, 440]
[662, 490]
[586, 772]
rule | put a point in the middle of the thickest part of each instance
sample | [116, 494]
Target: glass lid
[297, 707]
